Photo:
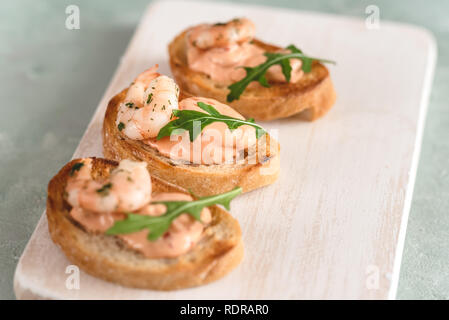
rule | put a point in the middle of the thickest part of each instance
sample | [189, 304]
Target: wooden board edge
[424, 103]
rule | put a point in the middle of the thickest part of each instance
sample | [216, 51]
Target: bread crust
[311, 97]
[202, 180]
[218, 252]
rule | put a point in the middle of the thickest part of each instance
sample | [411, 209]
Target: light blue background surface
[52, 80]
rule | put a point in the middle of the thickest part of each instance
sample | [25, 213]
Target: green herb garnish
[104, 190]
[76, 167]
[159, 225]
[186, 119]
[258, 73]
[121, 126]
[150, 98]
[129, 104]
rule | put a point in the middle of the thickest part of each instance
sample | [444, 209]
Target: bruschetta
[197, 143]
[225, 62]
[117, 223]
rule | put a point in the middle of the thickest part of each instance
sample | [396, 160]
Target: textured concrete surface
[52, 79]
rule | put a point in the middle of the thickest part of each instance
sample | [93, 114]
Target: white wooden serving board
[336, 218]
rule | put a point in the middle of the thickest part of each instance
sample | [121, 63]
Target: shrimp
[236, 31]
[136, 90]
[148, 105]
[127, 189]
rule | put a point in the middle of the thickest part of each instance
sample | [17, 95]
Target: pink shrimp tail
[148, 75]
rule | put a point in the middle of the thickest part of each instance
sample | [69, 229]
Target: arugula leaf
[187, 118]
[159, 225]
[258, 73]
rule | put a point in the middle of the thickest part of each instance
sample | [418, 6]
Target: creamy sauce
[183, 234]
[216, 144]
[93, 221]
[223, 62]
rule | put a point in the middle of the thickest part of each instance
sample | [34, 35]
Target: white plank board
[337, 216]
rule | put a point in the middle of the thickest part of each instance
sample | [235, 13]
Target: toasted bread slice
[311, 97]
[201, 179]
[218, 252]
